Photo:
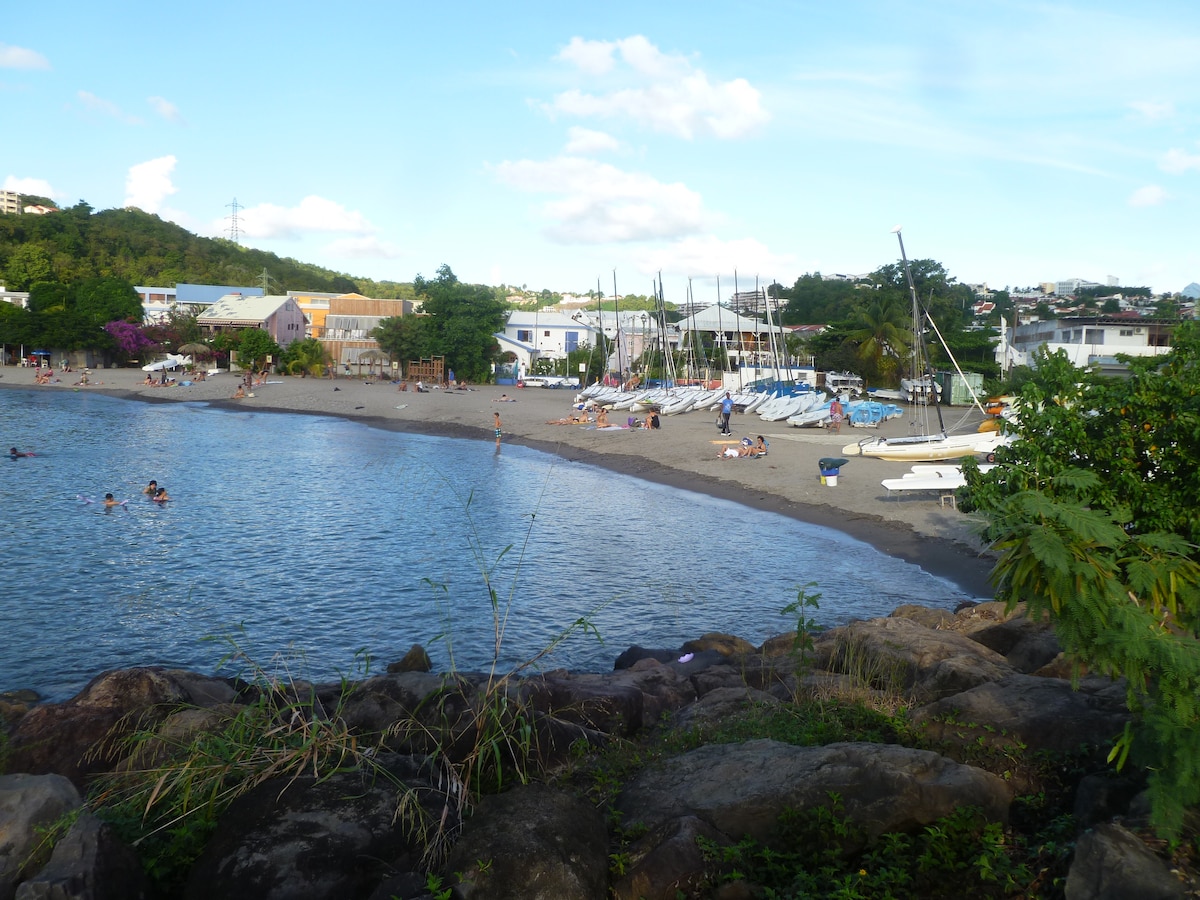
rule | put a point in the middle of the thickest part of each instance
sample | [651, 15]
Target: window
[1126, 332]
[572, 341]
[1094, 336]
[525, 335]
[545, 334]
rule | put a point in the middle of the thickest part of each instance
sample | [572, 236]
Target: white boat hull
[930, 448]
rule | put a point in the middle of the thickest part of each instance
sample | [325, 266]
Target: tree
[307, 356]
[1095, 512]
[405, 338]
[129, 337]
[882, 328]
[254, 347]
[463, 319]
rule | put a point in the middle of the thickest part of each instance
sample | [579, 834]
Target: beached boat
[932, 445]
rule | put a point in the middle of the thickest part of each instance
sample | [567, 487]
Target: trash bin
[830, 469]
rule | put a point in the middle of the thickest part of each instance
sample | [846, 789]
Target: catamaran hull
[933, 448]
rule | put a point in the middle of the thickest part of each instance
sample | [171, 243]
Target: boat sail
[932, 445]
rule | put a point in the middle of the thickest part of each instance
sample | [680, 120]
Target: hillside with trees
[78, 244]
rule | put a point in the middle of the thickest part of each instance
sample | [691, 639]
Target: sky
[570, 146]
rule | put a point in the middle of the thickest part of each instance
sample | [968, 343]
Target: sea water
[319, 547]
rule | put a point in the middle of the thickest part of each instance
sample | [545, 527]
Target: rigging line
[919, 334]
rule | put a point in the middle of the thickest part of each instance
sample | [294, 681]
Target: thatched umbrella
[369, 356]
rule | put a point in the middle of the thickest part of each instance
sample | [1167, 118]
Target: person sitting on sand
[160, 496]
[602, 418]
[149, 380]
[240, 393]
[761, 446]
[652, 419]
[151, 488]
[83, 380]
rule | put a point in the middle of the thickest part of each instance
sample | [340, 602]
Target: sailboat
[933, 445]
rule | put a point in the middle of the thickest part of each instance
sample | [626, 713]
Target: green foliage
[819, 852]
[801, 608]
[463, 320]
[1096, 515]
[406, 338]
[254, 346]
[304, 357]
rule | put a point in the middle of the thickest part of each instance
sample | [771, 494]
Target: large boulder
[1112, 863]
[667, 862]
[27, 803]
[741, 789]
[902, 655]
[327, 839]
[1041, 713]
[532, 843]
[89, 863]
[80, 737]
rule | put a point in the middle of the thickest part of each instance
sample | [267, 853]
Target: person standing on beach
[496, 416]
[836, 414]
[726, 412]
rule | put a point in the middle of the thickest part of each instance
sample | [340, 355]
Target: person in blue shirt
[726, 412]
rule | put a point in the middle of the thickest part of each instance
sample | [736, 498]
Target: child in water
[160, 496]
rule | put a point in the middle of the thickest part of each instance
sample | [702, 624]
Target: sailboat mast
[919, 354]
[600, 317]
[622, 363]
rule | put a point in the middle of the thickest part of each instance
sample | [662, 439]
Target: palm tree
[882, 329]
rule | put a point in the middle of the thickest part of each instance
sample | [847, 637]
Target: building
[16, 298]
[279, 316]
[530, 335]
[343, 323]
[159, 302]
[10, 203]
[1087, 340]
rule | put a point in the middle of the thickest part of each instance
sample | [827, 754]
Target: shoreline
[682, 454]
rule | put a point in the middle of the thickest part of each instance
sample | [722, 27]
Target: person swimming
[160, 496]
[109, 500]
[151, 488]
[14, 453]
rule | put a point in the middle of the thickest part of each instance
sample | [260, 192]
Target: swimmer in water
[160, 496]
[109, 501]
[14, 453]
[151, 488]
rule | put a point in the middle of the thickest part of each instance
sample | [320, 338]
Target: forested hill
[77, 244]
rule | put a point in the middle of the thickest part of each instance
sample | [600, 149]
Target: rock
[326, 839]
[1041, 713]
[905, 657]
[531, 843]
[1113, 864]
[89, 863]
[79, 737]
[636, 654]
[376, 703]
[725, 644]
[415, 660]
[720, 704]
[923, 615]
[741, 789]
[28, 802]
[667, 863]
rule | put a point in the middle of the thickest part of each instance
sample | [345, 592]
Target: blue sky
[549, 144]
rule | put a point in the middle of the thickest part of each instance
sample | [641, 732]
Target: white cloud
[584, 141]
[1177, 162]
[106, 108]
[704, 256]
[313, 214]
[148, 184]
[1150, 195]
[365, 247]
[165, 108]
[35, 186]
[667, 92]
[600, 203]
[21, 58]
[1152, 110]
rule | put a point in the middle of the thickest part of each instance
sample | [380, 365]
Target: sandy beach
[683, 453]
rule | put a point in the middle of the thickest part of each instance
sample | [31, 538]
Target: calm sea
[317, 544]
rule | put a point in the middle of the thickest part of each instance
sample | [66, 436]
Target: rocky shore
[632, 784]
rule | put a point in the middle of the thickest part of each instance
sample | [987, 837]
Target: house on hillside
[159, 302]
[1087, 340]
[281, 317]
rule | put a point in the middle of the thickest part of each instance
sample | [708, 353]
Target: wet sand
[683, 453]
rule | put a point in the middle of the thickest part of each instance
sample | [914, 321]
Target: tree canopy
[462, 321]
[1095, 512]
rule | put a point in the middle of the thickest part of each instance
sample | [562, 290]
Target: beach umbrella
[370, 356]
[195, 348]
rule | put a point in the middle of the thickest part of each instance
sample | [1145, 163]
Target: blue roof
[211, 293]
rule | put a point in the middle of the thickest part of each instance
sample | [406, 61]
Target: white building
[1087, 340]
[530, 335]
